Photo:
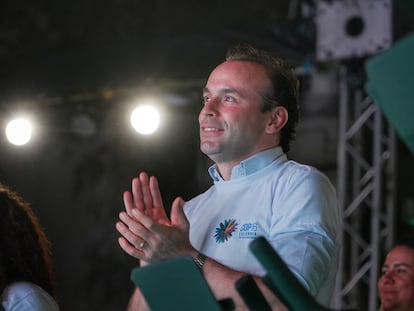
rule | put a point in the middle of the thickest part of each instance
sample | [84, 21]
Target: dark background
[67, 61]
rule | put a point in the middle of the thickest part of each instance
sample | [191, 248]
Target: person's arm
[145, 222]
[137, 302]
[305, 231]
[165, 242]
[222, 282]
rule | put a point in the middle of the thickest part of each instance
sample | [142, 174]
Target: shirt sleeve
[305, 226]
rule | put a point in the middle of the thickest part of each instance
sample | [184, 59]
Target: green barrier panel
[286, 286]
[176, 284]
[390, 83]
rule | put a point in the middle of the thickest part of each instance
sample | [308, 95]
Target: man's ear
[278, 119]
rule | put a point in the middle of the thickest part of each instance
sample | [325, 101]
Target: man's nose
[388, 277]
[210, 108]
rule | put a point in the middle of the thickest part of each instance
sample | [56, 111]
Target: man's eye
[206, 99]
[400, 271]
[228, 99]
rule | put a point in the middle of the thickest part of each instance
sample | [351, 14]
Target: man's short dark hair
[406, 240]
[285, 86]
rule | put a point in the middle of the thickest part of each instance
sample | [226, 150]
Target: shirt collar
[250, 165]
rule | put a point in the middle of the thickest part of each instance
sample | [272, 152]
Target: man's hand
[147, 233]
[146, 196]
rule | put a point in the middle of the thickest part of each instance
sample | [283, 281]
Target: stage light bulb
[145, 119]
[19, 131]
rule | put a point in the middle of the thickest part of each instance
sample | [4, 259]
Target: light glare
[19, 131]
[145, 119]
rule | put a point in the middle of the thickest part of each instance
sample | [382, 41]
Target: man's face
[232, 127]
[396, 285]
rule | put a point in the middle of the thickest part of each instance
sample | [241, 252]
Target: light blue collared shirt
[250, 165]
[292, 205]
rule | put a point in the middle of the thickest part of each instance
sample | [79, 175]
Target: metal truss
[366, 177]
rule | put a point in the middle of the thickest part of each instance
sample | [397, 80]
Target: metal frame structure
[366, 178]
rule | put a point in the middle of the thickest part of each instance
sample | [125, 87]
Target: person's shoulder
[295, 171]
[302, 169]
[16, 293]
[22, 287]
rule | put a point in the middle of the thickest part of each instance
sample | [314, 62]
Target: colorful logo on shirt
[225, 230]
[248, 230]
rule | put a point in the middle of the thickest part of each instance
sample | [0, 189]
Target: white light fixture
[19, 131]
[145, 119]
